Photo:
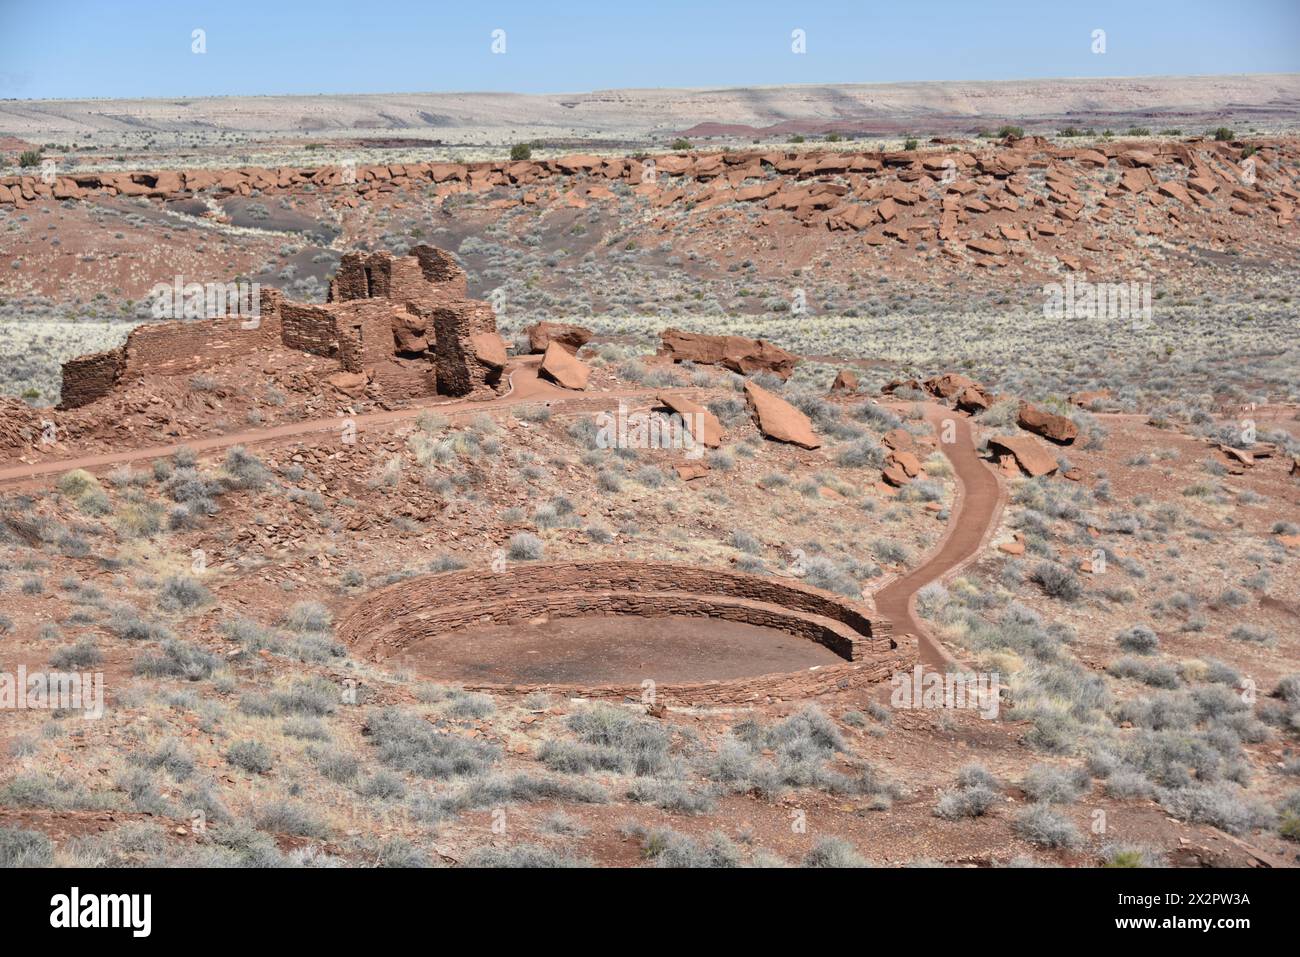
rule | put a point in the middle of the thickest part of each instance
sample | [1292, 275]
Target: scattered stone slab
[973, 399]
[564, 368]
[778, 419]
[898, 439]
[1086, 399]
[894, 476]
[688, 410]
[1049, 425]
[1033, 459]
[907, 461]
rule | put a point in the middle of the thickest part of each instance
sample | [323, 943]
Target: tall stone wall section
[87, 378]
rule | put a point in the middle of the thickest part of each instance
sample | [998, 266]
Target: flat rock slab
[778, 419]
[564, 368]
[688, 410]
[1029, 454]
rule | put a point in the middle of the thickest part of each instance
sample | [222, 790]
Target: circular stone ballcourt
[601, 629]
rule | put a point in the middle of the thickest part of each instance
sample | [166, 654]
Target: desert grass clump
[1157, 674]
[177, 659]
[1138, 639]
[525, 547]
[1041, 825]
[245, 470]
[309, 617]
[1220, 804]
[83, 654]
[524, 856]
[834, 852]
[822, 572]
[1056, 580]
[251, 756]
[85, 491]
[407, 742]
[125, 621]
[609, 739]
[1052, 785]
[20, 847]
[1252, 634]
[182, 593]
[1130, 855]
[287, 817]
[963, 802]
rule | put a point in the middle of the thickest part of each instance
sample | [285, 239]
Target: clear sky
[126, 48]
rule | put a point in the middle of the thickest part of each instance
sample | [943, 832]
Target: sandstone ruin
[400, 326]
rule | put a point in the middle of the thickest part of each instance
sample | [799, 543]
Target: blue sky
[82, 48]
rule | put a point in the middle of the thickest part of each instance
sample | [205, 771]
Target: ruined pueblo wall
[87, 378]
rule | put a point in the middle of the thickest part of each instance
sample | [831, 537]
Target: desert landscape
[889, 475]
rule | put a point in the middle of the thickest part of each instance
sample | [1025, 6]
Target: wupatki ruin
[399, 327]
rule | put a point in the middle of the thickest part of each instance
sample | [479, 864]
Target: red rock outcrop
[845, 381]
[1033, 459]
[571, 337]
[736, 353]
[1049, 425]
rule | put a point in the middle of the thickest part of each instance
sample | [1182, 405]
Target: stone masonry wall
[87, 378]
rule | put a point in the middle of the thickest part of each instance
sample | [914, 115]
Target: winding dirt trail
[525, 386]
[974, 514]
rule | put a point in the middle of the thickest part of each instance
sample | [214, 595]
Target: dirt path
[974, 514]
[525, 386]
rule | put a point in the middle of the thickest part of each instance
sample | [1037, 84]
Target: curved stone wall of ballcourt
[437, 606]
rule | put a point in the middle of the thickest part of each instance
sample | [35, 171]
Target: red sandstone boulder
[167, 184]
[736, 353]
[1032, 458]
[913, 385]
[950, 384]
[564, 368]
[410, 332]
[778, 419]
[1057, 428]
[973, 399]
[489, 350]
[845, 381]
[351, 384]
[894, 475]
[571, 337]
[688, 410]
[906, 461]
[898, 439]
